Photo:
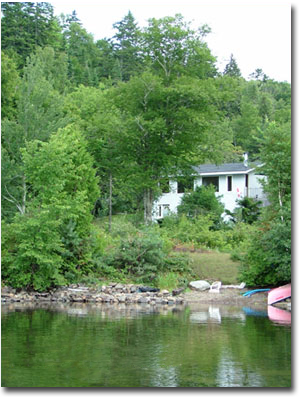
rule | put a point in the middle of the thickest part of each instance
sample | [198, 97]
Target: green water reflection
[110, 346]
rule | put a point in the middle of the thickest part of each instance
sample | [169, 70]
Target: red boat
[279, 294]
[279, 316]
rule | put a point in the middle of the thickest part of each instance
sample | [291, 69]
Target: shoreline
[116, 293]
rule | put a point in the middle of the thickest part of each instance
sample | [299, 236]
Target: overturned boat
[279, 294]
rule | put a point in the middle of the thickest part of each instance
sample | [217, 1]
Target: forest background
[91, 130]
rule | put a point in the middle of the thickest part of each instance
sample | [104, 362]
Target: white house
[232, 181]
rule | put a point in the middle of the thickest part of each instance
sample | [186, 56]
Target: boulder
[199, 285]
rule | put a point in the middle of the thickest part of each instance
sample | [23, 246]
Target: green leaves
[269, 258]
[173, 49]
[51, 240]
[160, 108]
[32, 250]
[276, 156]
[202, 201]
[26, 26]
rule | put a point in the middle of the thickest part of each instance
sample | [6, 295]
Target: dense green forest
[89, 130]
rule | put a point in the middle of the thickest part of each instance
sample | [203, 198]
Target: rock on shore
[111, 293]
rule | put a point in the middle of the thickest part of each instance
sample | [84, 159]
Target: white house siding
[255, 189]
[230, 197]
[169, 202]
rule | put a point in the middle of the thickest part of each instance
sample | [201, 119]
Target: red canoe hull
[280, 316]
[279, 294]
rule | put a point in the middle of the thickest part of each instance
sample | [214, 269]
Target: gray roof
[223, 168]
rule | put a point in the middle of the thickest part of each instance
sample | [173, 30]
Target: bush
[141, 255]
[199, 233]
[32, 252]
[268, 261]
[248, 211]
[202, 201]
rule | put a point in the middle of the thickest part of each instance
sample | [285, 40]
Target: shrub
[268, 261]
[32, 251]
[198, 233]
[141, 256]
[248, 211]
[202, 201]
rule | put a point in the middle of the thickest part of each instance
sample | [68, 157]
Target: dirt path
[228, 296]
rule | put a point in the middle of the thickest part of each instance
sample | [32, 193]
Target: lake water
[142, 346]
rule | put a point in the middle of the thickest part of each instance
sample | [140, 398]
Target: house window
[166, 210]
[163, 210]
[214, 180]
[185, 184]
[164, 186]
[229, 183]
[246, 181]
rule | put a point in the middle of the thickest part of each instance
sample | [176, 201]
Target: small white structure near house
[232, 181]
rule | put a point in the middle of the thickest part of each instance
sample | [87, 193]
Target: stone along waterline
[111, 293]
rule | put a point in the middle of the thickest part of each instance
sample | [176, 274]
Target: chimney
[245, 158]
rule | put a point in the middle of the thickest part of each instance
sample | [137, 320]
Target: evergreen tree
[127, 45]
[83, 56]
[26, 25]
[232, 69]
[109, 68]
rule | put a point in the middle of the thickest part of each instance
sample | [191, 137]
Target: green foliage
[38, 114]
[248, 211]
[166, 128]
[32, 248]
[232, 69]
[268, 261]
[62, 171]
[277, 163]
[200, 233]
[50, 244]
[138, 254]
[9, 83]
[169, 281]
[184, 52]
[26, 25]
[127, 46]
[83, 56]
[202, 201]
[139, 128]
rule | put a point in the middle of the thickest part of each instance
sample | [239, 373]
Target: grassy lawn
[215, 266]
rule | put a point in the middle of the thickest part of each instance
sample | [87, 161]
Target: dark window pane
[214, 180]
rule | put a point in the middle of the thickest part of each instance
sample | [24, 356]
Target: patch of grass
[215, 266]
[168, 281]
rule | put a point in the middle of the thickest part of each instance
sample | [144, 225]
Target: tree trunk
[24, 194]
[148, 204]
[280, 201]
[21, 206]
[110, 202]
